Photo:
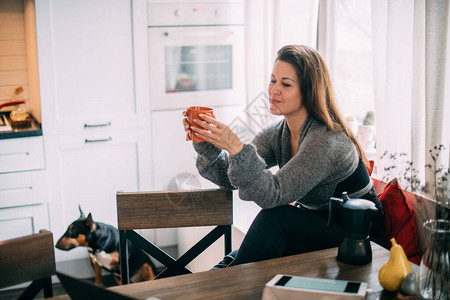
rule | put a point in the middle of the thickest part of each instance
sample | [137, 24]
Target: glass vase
[435, 265]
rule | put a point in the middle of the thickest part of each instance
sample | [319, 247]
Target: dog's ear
[81, 212]
[90, 222]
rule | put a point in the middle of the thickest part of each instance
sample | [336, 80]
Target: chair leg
[123, 252]
[32, 290]
[48, 290]
[227, 240]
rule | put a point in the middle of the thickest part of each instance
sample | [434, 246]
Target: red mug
[192, 113]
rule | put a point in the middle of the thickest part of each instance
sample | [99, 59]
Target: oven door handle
[199, 33]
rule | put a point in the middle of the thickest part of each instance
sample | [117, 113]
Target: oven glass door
[196, 66]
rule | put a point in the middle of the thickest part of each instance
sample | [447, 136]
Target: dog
[102, 242]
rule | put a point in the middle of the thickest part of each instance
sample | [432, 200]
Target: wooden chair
[172, 209]
[28, 258]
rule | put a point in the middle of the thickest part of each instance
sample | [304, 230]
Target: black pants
[288, 230]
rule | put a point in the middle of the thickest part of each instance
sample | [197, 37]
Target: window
[345, 39]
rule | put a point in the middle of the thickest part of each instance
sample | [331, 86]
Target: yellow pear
[394, 271]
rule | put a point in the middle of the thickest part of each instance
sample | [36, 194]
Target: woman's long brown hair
[317, 90]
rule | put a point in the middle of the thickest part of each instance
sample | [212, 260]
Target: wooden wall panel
[13, 32]
[13, 49]
[7, 91]
[12, 63]
[11, 6]
[11, 18]
[13, 78]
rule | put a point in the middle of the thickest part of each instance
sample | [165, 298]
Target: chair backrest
[170, 209]
[27, 258]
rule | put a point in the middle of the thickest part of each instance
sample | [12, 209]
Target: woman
[317, 154]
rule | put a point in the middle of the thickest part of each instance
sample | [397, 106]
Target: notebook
[82, 290]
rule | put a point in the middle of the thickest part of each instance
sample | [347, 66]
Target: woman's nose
[274, 89]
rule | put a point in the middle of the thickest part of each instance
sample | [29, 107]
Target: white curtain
[270, 25]
[411, 56]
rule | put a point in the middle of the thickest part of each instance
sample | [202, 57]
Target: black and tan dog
[102, 241]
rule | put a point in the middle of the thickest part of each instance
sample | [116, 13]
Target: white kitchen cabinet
[23, 203]
[21, 154]
[88, 170]
[95, 107]
[93, 169]
[90, 65]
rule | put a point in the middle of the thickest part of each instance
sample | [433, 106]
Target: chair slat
[171, 209]
[27, 258]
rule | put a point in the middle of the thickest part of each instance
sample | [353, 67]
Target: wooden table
[247, 281]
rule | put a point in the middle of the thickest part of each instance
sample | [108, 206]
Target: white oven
[196, 54]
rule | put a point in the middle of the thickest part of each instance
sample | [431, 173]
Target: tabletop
[247, 281]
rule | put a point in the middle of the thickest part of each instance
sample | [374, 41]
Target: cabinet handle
[97, 141]
[202, 33]
[97, 125]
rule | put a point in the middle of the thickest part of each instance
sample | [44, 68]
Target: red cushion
[370, 167]
[399, 220]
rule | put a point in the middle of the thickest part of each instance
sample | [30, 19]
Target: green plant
[369, 119]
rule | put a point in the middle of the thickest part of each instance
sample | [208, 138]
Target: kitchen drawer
[20, 221]
[100, 138]
[10, 229]
[22, 189]
[16, 197]
[97, 124]
[23, 203]
[14, 228]
[21, 154]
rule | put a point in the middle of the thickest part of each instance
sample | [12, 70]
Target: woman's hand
[216, 133]
[187, 127]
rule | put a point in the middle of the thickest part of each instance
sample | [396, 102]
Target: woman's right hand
[187, 127]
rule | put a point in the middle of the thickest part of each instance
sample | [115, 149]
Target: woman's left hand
[218, 134]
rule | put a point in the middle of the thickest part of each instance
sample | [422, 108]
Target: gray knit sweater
[323, 159]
